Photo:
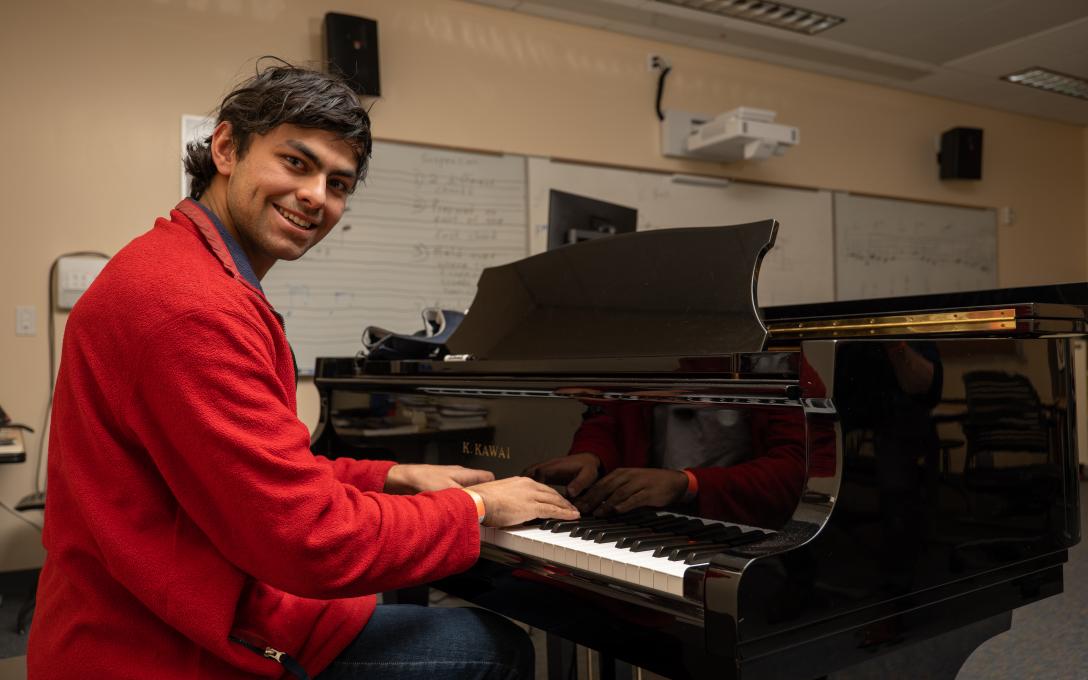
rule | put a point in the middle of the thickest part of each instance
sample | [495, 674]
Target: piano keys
[875, 478]
[628, 549]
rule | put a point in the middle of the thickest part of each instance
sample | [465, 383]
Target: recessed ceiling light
[775, 14]
[1051, 81]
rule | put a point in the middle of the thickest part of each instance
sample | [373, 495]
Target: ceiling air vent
[768, 13]
[1051, 81]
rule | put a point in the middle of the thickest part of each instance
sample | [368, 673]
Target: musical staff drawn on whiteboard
[887, 247]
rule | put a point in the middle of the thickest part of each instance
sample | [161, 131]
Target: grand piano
[879, 483]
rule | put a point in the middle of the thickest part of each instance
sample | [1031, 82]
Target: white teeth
[292, 219]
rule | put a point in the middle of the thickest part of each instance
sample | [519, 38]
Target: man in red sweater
[190, 531]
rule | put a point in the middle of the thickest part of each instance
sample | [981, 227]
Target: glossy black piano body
[912, 462]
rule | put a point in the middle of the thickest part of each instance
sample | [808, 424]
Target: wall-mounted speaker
[961, 153]
[351, 50]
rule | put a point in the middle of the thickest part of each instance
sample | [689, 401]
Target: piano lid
[1048, 299]
[669, 292]
[1056, 308]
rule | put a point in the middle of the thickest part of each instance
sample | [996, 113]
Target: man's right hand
[519, 499]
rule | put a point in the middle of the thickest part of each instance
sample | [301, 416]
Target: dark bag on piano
[429, 343]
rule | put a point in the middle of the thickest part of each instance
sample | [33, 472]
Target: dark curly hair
[284, 94]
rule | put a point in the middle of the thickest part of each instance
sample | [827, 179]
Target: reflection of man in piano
[739, 465]
[190, 531]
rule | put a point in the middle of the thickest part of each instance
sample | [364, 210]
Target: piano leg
[562, 657]
[938, 658]
[610, 668]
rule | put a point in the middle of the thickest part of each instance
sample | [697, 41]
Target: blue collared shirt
[241, 261]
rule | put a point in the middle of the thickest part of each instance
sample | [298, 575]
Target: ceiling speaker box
[351, 50]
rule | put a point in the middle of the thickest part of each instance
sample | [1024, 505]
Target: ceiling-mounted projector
[741, 134]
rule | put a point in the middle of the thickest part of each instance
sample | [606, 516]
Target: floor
[1048, 640]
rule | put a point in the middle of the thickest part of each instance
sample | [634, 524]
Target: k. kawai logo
[485, 450]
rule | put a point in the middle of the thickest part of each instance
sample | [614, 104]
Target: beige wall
[93, 93]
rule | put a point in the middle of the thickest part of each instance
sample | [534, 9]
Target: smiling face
[284, 194]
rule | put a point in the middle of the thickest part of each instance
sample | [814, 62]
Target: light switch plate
[26, 320]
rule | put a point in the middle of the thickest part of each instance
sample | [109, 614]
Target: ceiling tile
[937, 31]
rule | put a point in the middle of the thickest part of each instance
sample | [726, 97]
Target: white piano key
[606, 566]
[593, 563]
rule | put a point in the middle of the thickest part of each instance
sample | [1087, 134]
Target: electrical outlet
[26, 320]
[656, 62]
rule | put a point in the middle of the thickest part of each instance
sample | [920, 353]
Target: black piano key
[560, 527]
[628, 541]
[568, 526]
[701, 557]
[573, 527]
[637, 515]
[685, 553]
[716, 533]
[664, 523]
[676, 526]
[650, 521]
[632, 519]
[614, 535]
[593, 533]
[666, 550]
[647, 544]
[681, 553]
[691, 526]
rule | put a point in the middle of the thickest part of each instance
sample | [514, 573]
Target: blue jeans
[411, 642]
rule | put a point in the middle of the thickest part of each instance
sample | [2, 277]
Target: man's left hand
[407, 479]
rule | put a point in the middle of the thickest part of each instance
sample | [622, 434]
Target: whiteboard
[886, 247]
[800, 267]
[417, 234]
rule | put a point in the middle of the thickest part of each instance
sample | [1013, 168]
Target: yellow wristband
[481, 510]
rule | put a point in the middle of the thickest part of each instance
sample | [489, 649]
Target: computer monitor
[573, 218]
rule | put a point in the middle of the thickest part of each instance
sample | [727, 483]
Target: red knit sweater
[184, 504]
